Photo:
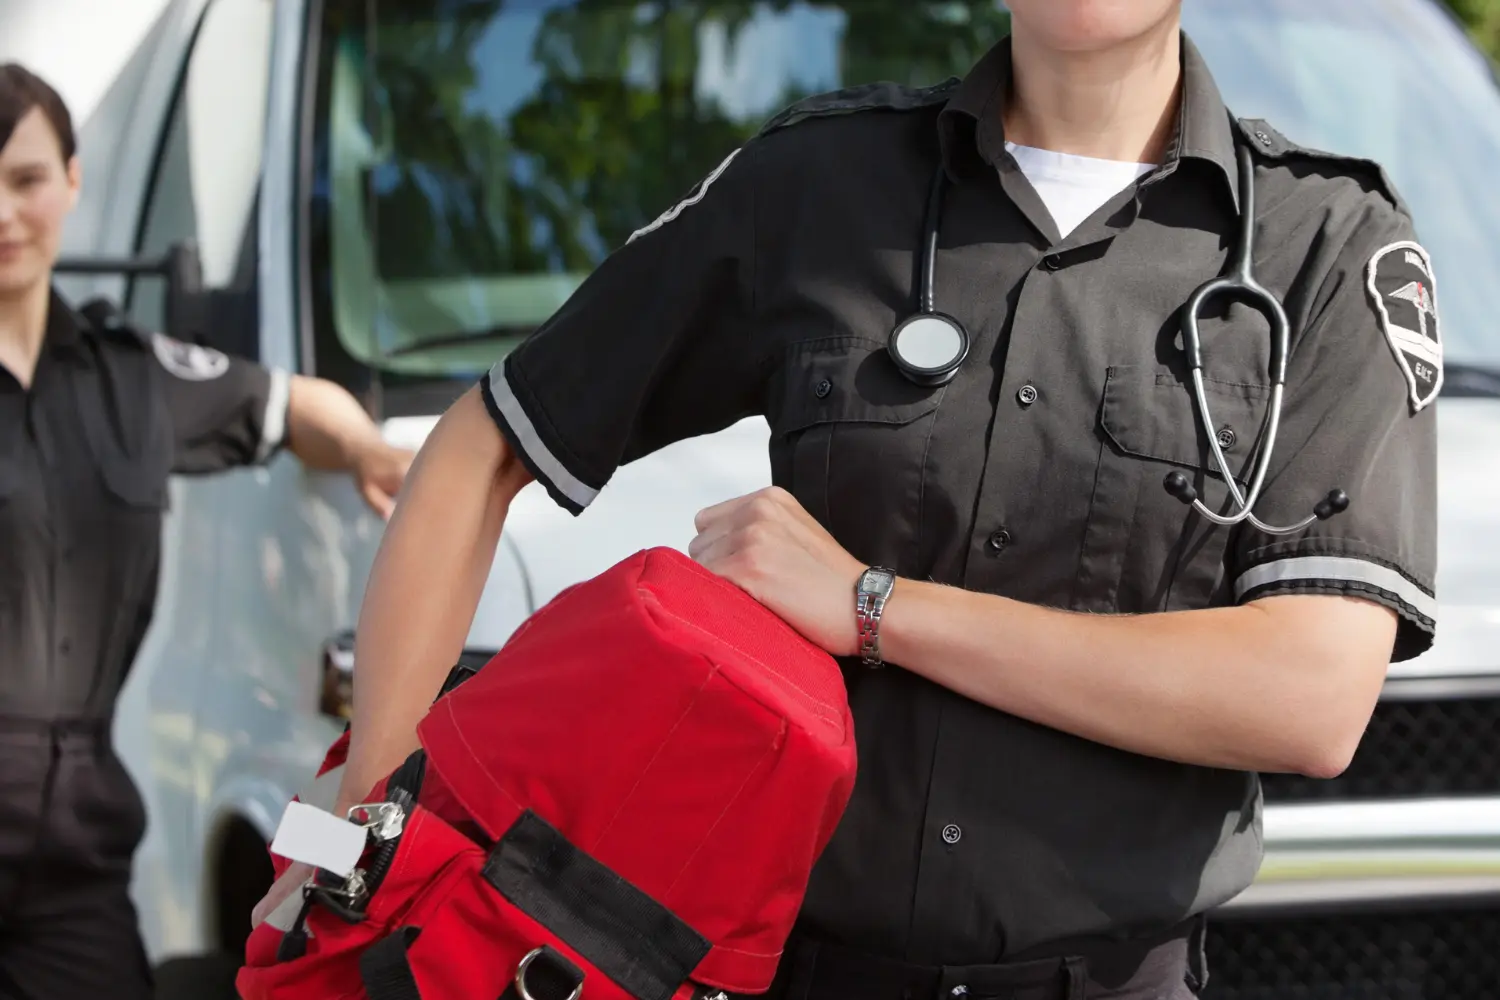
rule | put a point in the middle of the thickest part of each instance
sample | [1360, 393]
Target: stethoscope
[929, 347]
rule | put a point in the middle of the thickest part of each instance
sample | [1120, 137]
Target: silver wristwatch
[870, 595]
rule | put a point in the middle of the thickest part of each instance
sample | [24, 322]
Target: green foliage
[615, 129]
[1482, 17]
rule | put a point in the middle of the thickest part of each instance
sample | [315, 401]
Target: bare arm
[425, 585]
[327, 429]
[1281, 684]
[420, 600]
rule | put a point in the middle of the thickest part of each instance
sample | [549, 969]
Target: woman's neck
[23, 326]
[1115, 104]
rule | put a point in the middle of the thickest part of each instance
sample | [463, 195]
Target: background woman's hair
[20, 91]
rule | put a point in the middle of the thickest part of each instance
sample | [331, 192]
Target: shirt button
[822, 389]
[65, 647]
[952, 834]
[1227, 437]
[998, 540]
[1026, 394]
[1051, 262]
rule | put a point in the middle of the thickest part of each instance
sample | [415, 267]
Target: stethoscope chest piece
[929, 347]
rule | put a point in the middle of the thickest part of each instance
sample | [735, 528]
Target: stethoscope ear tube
[1240, 284]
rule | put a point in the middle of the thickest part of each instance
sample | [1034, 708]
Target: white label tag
[318, 838]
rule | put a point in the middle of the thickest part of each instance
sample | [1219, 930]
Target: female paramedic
[1009, 334]
[94, 416]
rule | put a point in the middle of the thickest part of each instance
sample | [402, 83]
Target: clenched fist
[774, 550]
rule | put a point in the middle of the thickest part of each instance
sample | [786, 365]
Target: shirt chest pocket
[1145, 549]
[13, 465]
[848, 439]
[129, 430]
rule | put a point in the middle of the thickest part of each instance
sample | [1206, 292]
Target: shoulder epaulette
[1265, 139]
[865, 97]
[105, 318]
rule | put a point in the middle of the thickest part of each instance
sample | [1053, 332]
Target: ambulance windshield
[473, 160]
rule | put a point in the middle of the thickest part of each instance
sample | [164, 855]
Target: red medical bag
[625, 802]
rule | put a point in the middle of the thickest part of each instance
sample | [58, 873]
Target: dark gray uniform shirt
[85, 455]
[1036, 474]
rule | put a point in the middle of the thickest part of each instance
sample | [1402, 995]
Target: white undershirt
[1073, 187]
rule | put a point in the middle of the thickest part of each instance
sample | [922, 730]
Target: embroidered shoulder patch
[188, 361]
[1404, 289]
[692, 199]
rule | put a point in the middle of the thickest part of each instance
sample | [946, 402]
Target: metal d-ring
[522, 991]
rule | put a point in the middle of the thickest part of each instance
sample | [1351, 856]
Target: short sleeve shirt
[86, 450]
[1038, 473]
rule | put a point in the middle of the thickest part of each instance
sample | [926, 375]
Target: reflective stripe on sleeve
[505, 403]
[1336, 569]
[273, 425]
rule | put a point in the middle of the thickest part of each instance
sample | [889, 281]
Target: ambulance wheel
[201, 977]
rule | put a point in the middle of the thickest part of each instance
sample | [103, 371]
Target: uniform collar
[972, 134]
[65, 328]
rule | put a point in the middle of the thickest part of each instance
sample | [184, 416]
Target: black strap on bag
[384, 968]
[545, 974]
[624, 933]
[621, 930]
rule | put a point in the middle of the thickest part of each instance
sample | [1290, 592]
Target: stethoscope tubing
[1238, 283]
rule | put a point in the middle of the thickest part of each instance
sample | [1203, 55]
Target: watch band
[871, 593]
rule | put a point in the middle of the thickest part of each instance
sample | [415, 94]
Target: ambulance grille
[1452, 954]
[1412, 749]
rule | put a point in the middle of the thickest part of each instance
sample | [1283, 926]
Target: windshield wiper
[455, 339]
[1471, 380]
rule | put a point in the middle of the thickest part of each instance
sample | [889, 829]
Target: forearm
[326, 426]
[1258, 687]
[424, 586]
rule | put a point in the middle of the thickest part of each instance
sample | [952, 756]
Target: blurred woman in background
[95, 415]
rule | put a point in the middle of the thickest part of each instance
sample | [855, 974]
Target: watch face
[878, 581]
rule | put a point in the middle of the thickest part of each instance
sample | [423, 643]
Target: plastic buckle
[559, 962]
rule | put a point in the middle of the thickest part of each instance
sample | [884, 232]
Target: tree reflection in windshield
[479, 158]
[508, 140]
[1394, 81]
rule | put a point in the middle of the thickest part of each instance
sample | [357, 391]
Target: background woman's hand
[379, 472]
[769, 546]
[291, 881]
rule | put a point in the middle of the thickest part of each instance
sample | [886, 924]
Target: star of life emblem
[191, 362]
[1401, 283]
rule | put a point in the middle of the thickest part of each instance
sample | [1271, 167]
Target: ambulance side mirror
[225, 319]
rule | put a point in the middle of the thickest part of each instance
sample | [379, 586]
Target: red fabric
[670, 727]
